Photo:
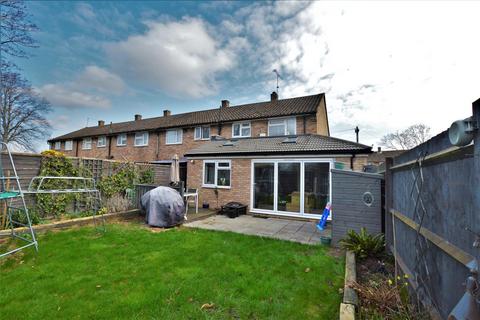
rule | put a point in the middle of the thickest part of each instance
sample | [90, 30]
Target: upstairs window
[68, 145]
[241, 130]
[122, 139]
[87, 144]
[141, 139]
[216, 174]
[174, 136]
[202, 133]
[102, 141]
[282, 127]
[58, 145]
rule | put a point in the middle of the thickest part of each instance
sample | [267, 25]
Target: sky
[382, 65]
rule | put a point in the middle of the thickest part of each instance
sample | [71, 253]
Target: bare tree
[406, 139]
[23, 112]
[15, 29]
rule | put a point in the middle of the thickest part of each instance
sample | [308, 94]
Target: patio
[292, 230]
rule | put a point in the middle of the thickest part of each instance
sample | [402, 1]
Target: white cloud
[181, 58]
[63, 96]
[86, 90]
[97, 78]
[383, 66]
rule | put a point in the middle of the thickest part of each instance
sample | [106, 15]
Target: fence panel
[433, 217]
[348, 207]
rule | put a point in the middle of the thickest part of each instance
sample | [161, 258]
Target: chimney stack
[274, 96]
[166, 113]
[379, 149]
[101, 123]
[138, 117]
[225, 103]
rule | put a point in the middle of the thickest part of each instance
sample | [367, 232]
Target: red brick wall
[358, 162]
[159, 150]
[240, 183]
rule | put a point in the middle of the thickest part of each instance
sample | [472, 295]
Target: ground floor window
[298, 187]
[217, 173]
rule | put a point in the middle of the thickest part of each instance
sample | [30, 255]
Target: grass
[132, 273]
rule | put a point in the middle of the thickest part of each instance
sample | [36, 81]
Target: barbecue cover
[164, 207]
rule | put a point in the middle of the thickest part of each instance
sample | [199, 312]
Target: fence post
[476, 156]
[388, 201]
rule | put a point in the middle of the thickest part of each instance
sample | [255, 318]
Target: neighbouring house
[275, 155]
[288, 175]
[376, 160]
[160, 138]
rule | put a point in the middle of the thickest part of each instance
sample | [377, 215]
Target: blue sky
[383, 66]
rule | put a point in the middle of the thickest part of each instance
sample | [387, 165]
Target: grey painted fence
[432, 228]
[348, 207]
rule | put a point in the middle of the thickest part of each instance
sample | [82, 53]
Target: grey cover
[164, 207]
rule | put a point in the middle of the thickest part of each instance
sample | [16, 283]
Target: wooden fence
[432, 220]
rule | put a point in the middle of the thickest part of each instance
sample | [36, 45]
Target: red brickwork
[157, 148]
[240, 183]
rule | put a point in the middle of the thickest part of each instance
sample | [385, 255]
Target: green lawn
[133, 273]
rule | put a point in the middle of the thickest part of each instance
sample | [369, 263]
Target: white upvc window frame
[144, 136]
[87, 143]
[104, 144]
[242, 125]
[217, 168]
[120, 139]
[179, 133]
[69, 145]
[200, 131]
[57, 145]
[285, 124]
[275, 162]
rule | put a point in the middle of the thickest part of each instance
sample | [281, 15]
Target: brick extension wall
[157, 148]
[240, 183]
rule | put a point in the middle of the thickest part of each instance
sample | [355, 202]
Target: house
[274, 156]
[282, 175]
[376, 160]
[160, 138]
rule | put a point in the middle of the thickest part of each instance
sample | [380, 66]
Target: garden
[115, 184]
[131, 272]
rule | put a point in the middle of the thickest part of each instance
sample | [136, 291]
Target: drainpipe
[158, 146]
[76, 148]
[304, 125]
[352, 158]
[109, 147]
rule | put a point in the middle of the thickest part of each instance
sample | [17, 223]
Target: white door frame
[275, 162]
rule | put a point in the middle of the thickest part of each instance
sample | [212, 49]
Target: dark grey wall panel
[349, 212]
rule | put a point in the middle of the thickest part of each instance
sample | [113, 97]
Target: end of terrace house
[273, 155]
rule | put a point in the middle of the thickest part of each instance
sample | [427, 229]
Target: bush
[146, 176]
[363, 244]
[118, 182]
[20, 216]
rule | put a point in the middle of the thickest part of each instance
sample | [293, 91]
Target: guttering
[351, 153]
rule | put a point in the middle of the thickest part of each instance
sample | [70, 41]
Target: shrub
[118, 182]
[20, 216]
[363, 244]
[146, 176]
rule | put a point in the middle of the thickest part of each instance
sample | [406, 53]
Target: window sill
[121, 145]
[240, 137]
[170, 144]
[140, 145]
[211, 186]
[86, 148]
[101, 146]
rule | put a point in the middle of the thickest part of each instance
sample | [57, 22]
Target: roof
[258, 110]
[300, 144]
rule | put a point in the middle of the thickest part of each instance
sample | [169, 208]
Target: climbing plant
[55, 164]
[122, 179]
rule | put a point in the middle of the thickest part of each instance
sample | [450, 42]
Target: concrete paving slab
[292, 230]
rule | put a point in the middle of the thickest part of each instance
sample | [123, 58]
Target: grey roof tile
[310, 143]
[259, 110]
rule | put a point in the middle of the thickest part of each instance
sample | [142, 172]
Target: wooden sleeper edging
[350, 298]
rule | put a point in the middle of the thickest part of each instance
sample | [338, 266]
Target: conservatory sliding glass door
[290, 187]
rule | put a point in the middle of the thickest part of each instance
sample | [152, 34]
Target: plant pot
[325, 240]
[205, 206]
